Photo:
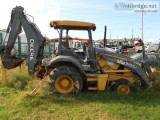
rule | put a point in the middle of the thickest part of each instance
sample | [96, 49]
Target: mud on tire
[66, 80]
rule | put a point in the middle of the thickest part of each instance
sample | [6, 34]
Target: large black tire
[66, 80]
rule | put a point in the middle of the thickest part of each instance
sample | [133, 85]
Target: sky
[101, 12]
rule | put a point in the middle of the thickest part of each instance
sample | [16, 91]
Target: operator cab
[67, 26]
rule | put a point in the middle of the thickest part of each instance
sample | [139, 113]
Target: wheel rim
[123, 88]
[64, 84]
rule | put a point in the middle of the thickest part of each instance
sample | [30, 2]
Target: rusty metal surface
[11, 62]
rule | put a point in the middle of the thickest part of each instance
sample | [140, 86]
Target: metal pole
[19, 49]
[142, 26]
[143, 49]
[54, 47]
[1, 38]
[49, 49]
[110, 35]
[105, 40]
[60, 41]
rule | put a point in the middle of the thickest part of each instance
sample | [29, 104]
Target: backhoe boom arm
[34, 38]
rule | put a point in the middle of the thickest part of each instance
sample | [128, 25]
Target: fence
[21, 50]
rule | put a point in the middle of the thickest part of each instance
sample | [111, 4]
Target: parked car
[151, 58]
[115, 49]
[98, 45]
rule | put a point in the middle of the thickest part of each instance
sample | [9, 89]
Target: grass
[19, 81]
[15, 104]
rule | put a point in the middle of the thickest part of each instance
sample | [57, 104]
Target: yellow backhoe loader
[70, 72]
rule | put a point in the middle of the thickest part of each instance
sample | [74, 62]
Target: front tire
[66, 80]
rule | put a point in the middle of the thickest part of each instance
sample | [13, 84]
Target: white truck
[153, 47]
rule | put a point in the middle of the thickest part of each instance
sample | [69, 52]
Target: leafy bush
[156, 81]
[19, 81]
[156, 77]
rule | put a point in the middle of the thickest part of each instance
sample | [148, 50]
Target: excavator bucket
[10, 61]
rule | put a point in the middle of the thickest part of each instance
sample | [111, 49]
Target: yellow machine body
[111, 73]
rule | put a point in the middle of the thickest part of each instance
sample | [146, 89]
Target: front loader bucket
[11, 62]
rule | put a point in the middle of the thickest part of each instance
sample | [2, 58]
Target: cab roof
[72, 25]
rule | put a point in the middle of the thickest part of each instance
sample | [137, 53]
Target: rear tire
[123, 86]
[66, 80]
